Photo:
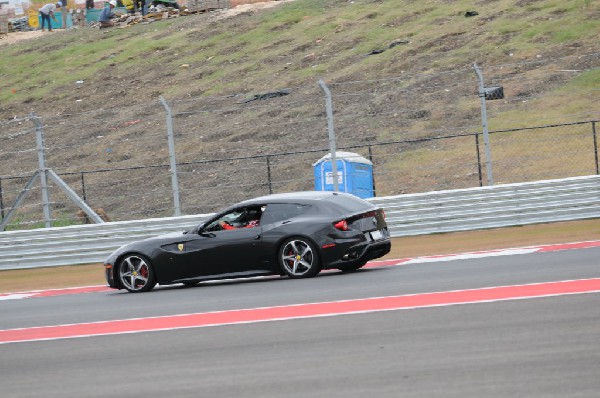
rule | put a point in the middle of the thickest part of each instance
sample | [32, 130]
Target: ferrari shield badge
[180, 247]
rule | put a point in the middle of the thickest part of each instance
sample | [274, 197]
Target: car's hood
[170, 235]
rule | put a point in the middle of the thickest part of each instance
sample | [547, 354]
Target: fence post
[484, 124]
[1, 201]
[64, 15]
[372, 171]
[83, 195]
[478, 159]
[332, 143]
[172, 160]
[595, 147]
[269, 174]
[39, 134]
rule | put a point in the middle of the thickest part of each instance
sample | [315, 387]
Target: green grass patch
[20, 222]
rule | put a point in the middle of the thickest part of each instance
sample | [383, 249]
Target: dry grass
[574, 231]
[51, 278]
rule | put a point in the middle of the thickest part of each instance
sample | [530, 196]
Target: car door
[231, 252]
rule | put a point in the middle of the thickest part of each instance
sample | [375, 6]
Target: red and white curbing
[372, 264]
[53, 292]
[488, 253]
[300, 311]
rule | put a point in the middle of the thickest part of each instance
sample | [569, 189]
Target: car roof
[293, 196]
[302, 197]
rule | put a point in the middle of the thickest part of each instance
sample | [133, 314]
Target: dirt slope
[397, 69]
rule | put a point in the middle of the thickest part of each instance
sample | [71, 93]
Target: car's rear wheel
[136, 274]
[298, 258]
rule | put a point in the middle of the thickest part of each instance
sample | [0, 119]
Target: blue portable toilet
[58, 23]
[355, 174]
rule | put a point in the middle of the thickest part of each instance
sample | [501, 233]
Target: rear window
[282, 211]
[349, 203]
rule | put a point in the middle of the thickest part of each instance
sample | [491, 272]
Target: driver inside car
[249, 219]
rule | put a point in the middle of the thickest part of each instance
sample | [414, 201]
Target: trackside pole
[172, 160]
[484, 124]
[42, 171]
[332, 144]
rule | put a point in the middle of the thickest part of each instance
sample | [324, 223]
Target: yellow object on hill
[32, 16]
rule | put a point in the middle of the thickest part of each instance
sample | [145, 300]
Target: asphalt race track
[527, 325]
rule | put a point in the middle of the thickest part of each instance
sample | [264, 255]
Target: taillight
[341, 225]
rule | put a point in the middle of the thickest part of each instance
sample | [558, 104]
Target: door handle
[257, 237]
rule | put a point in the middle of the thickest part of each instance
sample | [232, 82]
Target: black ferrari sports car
[293, 234]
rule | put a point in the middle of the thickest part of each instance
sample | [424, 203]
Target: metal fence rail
[493, 207]
[413, 214]
[81, 244]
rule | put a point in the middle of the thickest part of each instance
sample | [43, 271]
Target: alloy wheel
[135, 274]
[298, 258]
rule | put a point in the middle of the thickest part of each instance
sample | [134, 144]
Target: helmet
[113, 3]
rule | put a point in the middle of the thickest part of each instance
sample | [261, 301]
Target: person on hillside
[64, 13]
[47, 12]
[142, 6]
[107, 14]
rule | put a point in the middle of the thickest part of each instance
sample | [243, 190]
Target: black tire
[352, 268]
[136, 274]
[298, 258]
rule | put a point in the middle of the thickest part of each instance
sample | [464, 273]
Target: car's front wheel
[298, 258]
[136, 274]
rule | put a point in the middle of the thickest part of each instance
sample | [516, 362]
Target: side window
[277, 212]
[246, 217]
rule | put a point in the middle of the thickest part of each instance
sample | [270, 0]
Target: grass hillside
[397, 70]
[262, 50]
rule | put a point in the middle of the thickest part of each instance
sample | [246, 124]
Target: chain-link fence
[409, 166]
[422, 133]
